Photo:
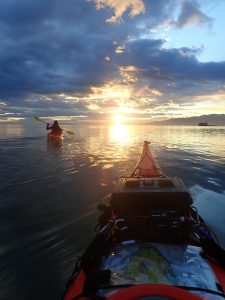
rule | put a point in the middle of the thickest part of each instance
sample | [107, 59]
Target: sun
[118, 119]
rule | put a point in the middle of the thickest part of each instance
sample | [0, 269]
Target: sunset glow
[140, 58]
[118, 119]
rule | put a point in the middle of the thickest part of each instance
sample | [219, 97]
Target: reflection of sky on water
[11, 131]
[195, 154]
[49, 192]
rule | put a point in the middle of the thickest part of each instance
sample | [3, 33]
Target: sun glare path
[120, 134]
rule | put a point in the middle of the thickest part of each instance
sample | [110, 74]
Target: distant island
[203, 120]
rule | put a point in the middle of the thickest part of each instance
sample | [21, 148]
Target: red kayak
[54, 137]
[150, 242]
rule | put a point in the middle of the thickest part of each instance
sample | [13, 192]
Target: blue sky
[210, 39]
[92, 59]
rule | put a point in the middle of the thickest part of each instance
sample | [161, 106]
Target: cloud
[158, 63]
[119, 7]
[52, 54]
[191, 14]
[62, 57]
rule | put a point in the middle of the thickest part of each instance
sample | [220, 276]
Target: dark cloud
[53, 52]
[172, 71]
[25, 12]
[58, 47]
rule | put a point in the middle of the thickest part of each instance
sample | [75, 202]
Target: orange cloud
[120, 7]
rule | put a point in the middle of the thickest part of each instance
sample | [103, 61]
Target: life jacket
[56, 130]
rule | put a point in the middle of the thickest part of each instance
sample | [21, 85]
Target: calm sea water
[49, 192]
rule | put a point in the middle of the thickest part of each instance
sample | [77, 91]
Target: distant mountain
[212, 119]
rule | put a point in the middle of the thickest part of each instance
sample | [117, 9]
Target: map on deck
[160, 264]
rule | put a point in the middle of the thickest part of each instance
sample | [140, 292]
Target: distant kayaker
[56, 129]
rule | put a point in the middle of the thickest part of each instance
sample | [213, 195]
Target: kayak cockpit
[133, 263]
[115, 267]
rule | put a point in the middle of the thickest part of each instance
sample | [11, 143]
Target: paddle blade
[69, 132]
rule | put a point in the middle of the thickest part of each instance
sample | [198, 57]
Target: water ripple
[49, 192]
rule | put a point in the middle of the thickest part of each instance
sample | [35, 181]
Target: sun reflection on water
[121, 134]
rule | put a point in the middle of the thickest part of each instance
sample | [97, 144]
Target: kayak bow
[147, 165]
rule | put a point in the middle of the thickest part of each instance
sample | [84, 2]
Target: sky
[95, 59]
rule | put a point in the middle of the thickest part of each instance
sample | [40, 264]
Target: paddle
[40, 120]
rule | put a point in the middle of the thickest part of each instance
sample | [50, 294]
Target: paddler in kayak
[56, 129]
